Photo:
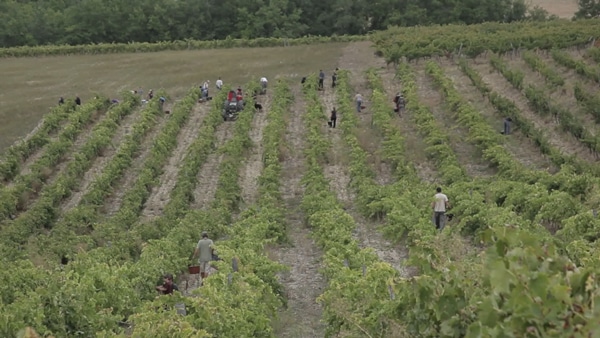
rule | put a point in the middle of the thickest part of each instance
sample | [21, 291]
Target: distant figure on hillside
[439, 206]
[61, 100]
[507, 122]
[333, 118]
[303, 80]
[321, 79]
[150, 94]
[263, 82]
[359, 101]
[78, 101]
[205, 250]
[219, 83]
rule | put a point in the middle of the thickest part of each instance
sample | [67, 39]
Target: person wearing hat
[205, 249]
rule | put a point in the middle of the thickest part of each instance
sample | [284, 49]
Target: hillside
[322, 231]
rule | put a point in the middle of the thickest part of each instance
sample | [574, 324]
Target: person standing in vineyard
[205, 249]
[359, 101]
[168, 286]
[439, 206]
[219, 83]
[333, 118]
[334, 79]
[78, 101]
[321, 79]
[507, 122]
[400, 103]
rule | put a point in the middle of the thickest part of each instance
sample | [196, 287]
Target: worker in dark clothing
[333, 118]
[168, 286]
[78, 101]
[333, 79]
[321, 79]
[61, 100]
[507, 122]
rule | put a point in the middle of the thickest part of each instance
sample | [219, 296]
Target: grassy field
[31, 85]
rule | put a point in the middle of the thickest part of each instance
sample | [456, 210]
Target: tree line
[41, 22]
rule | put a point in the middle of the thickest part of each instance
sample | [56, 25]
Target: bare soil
[358, 58]
[302, 283]
[567, 144]
[414, 144]
[79, 142]
[208, 177]
[253, 167]
[563, 97]
[25, 166]
[521, 147]
[113, 203]
[468, 155]
[54, 172]
[102, 161]
[160, 194]
[337, 173]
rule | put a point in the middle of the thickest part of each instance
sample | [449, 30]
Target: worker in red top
[230, 95]
[239, 96]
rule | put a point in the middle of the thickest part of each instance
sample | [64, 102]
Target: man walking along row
[439, 206]
[205, 249]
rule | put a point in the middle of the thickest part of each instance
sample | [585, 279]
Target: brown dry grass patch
[30, 86]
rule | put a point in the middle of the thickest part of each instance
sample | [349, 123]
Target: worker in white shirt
[219, 83]
[439, 206]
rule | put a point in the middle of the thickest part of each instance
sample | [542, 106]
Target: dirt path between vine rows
[25, 166]
[113, 203]
[337, 172]
[467, 153]
[357, 58]
[103, 159]
[566, 144]
[160, 194]
[53, 172]
[518, 145]
[208, 177]
[253, 166]
[414, 144]
[302, 283]
[563, 97]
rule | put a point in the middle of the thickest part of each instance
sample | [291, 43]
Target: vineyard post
[460, 49]
[595, 213]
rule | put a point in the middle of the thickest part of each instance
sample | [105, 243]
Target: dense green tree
[588, 9]
[33, 22]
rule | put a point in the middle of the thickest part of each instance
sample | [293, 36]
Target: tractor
[232, 108]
